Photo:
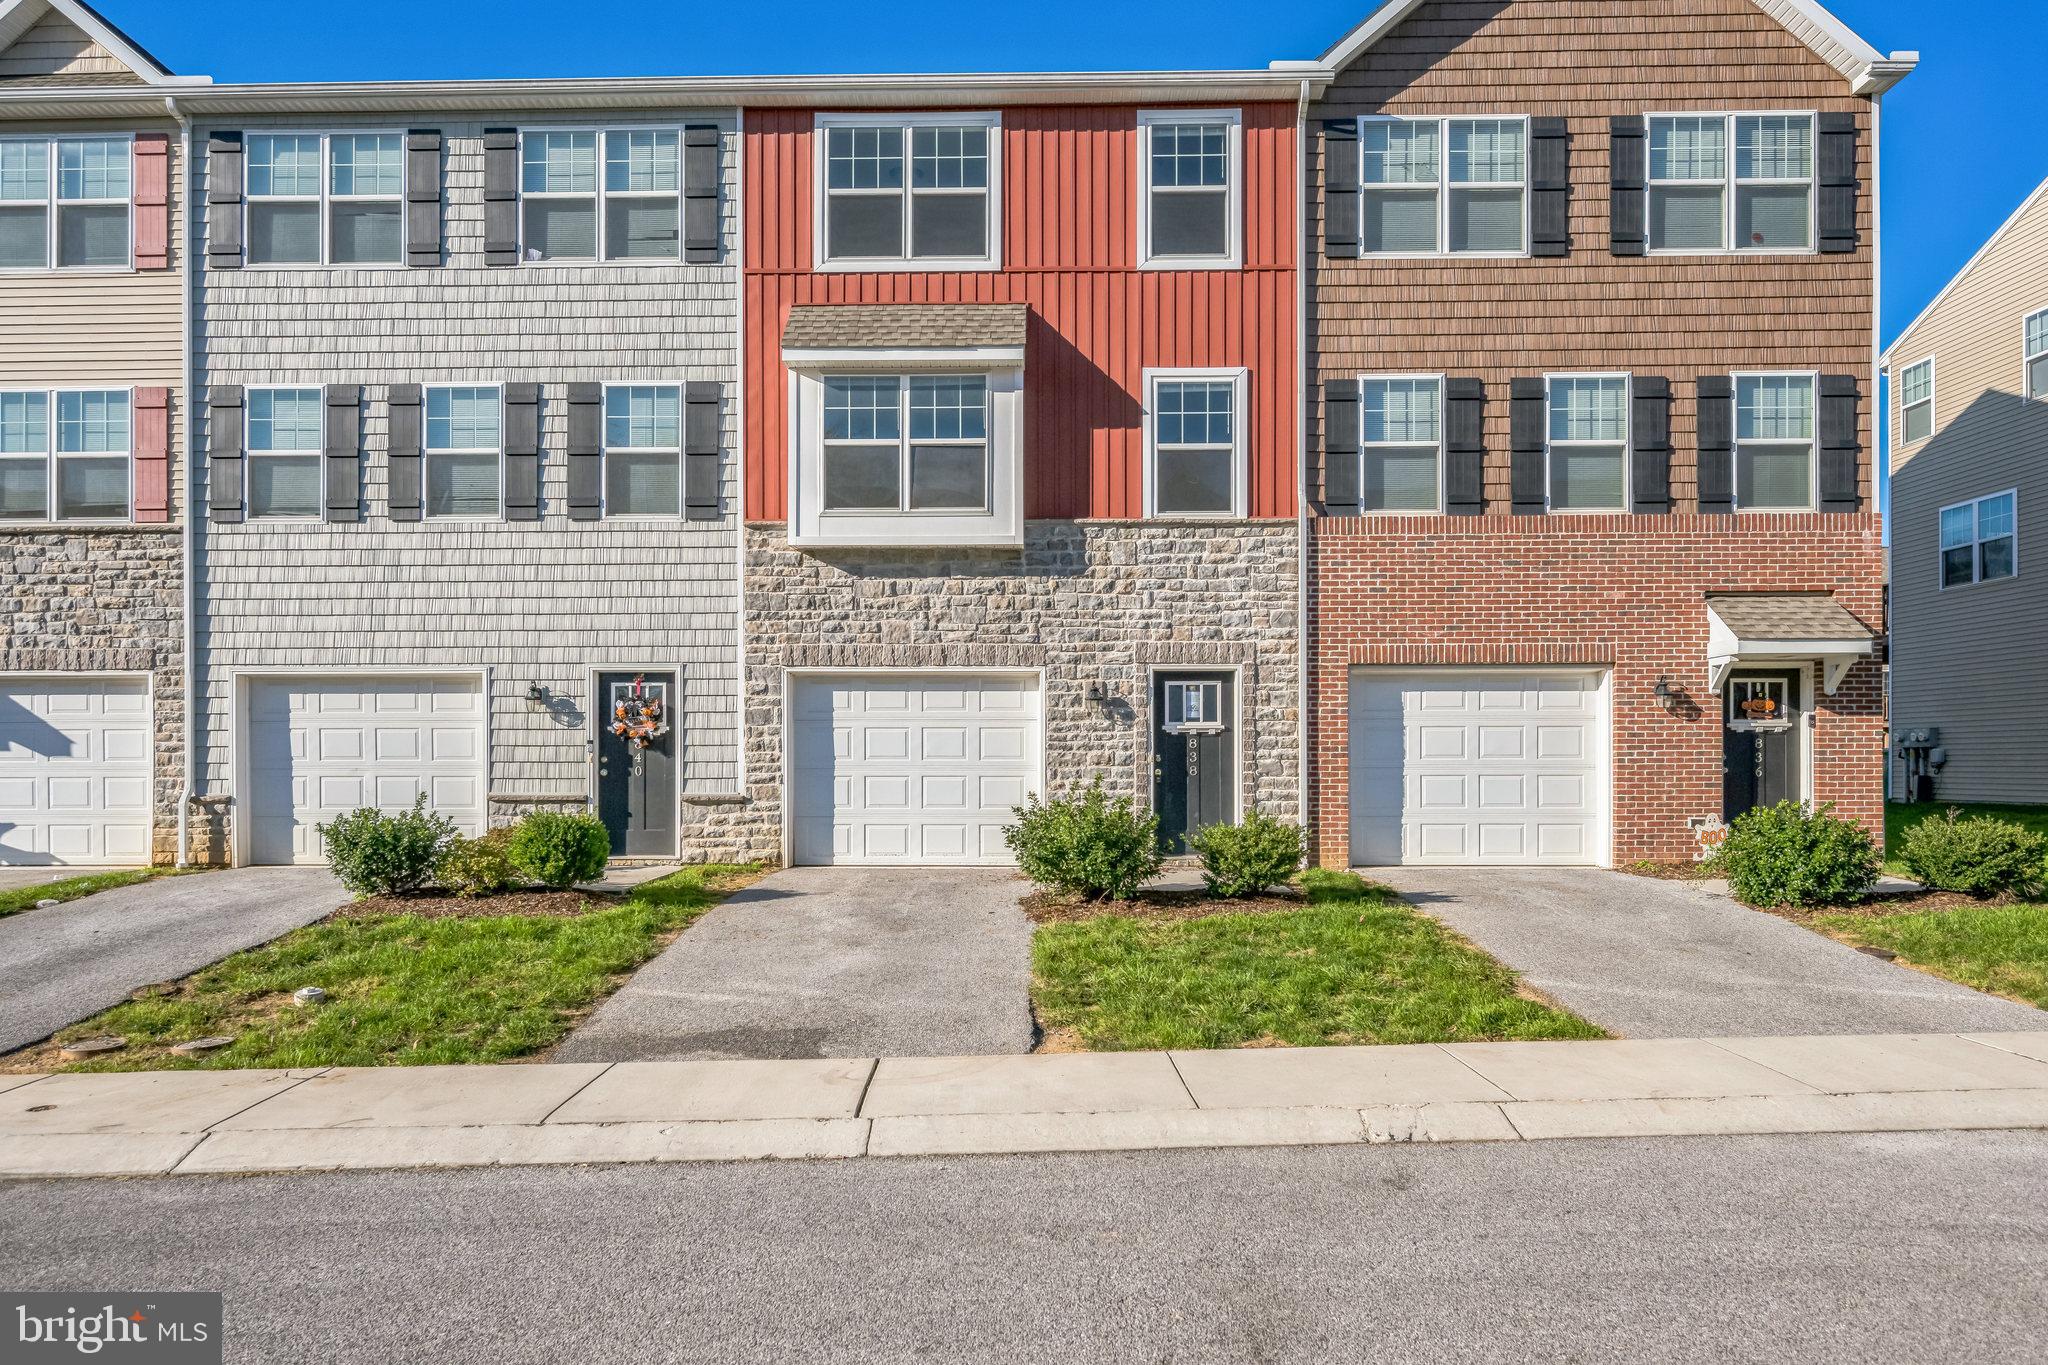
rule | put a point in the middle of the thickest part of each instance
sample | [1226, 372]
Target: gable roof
[1868, 71]
[17, 17]
[2026, 206]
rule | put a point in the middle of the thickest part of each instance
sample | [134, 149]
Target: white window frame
[1977, 579]
[905, 441]
[53, 206]
[1900, 436]
[1365, 445]
[1238, 377]
[1445, 187]
[51, 455]
[2027, 358]
[1628, 442]
[317, 453]
[606, 449]
[602, 198]
[821, 174]
[1736, 442]
[1730, 185]
[428, 451]
[1232, 121]
[326, 199]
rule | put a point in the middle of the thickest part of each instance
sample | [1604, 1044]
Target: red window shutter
[152, 201]
[152, 454]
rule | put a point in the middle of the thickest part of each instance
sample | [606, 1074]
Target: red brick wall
[1623, 592]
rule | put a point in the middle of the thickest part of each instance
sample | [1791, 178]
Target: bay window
[65, 455]
[936, 461]
[66, 203]
[1774, 442]
[1588, 442]
[909, 190]
[1979, 540]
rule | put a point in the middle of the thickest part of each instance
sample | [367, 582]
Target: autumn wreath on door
[639, 714]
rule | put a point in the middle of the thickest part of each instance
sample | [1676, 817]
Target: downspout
[739, 464]
[1880, 412]
[187, 410]
[1305, 645]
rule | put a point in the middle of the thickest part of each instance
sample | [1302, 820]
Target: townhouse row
[1460, 444]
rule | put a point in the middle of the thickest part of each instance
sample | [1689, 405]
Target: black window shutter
[586, 452]
[522, 452]
[700, 193]
[1836, 209]
[501, 196]
[1628, 170]
[342, 441]
[224, 179]
[1840, 443]
[1550, 188]
[423, 198]
[1527, 416]
[224, 453]
[1717, 444]
[1464, 447]
[703, 403]
[402, 479]
[1650, 437]
[1340, 188]
[1340, 448]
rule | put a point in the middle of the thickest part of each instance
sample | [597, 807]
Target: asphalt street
[1867, 1248]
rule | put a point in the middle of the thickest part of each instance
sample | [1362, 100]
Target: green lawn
[408, 990]
[1356, 965]
[71, 888]
[1997, 948]
[1898, 819]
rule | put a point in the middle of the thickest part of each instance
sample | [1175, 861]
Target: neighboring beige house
[1969, 465]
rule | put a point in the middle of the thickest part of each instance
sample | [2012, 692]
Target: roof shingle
[1787, 616]
[919, 326]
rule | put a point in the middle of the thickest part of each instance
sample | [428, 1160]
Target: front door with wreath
[636, 767]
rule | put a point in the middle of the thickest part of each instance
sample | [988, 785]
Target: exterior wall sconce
[1095, 693]
[1665, 693]
[537, 694]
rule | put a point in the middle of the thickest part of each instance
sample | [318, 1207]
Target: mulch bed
[1050, 907]
[436, 905]
[1886, 907]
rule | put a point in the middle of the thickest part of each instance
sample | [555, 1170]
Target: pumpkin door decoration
[639, 716]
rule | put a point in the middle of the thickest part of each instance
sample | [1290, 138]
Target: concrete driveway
[833, 962]
[66, 962]
[1657, 959]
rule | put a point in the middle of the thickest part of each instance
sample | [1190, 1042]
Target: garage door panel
[75, 758]
[1501, 841]
[880, 744]
[943, 743]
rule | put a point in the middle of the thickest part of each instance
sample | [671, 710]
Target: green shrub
[376, 854]
[560, 850]
[1789, 855]
[1245, 859]
[1979, 856]
[478, 867]
[1087, 845]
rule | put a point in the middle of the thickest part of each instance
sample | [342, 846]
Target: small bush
[1087, 845]
[478, 867]
[1243, 860]
[1980, 855]
[1789, 855]
[560, 850]
[376, 854]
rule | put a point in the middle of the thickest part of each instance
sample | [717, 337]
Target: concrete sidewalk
[193, 1122]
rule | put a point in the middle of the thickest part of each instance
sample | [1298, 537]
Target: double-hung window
[643, 450]
[66, 203]
[284, 445]
[628, 209]
[876, 461]
[1455, 186]
[1189, 202]
[65, 455]
[1916, 402]
[1979, 540]
[1400, 444]
[464, 452]
[2035, 345]
[1195, 464]
[910, 190]
[1731, 182]
[1588, 443]
[1774, 442]
[326, 199]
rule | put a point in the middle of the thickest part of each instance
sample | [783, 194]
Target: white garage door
[910, 768]
[1460, 768]
[74, 770]
[322, 747]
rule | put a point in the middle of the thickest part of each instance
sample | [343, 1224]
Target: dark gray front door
[1194, 747]
[1760, 741]
[636, 788]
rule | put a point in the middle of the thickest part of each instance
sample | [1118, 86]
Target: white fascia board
[909, 357]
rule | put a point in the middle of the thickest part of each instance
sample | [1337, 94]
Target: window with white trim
[1189, 195]
[1193, 706]
[1980, 540]
[1740, 182]
[465, 452]
[1916, 402]
[326, 198]
[285, 452]
[911, 190]
[1588, 443]
[66, 203]
[1774, 442]
[1195, 463]
[1454, 186]
[643, 450]
[66, 455]
[2036, 350]
[875, 461]
[629, 209]
[1400, 444]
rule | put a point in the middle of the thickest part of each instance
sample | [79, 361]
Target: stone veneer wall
[1087, 601]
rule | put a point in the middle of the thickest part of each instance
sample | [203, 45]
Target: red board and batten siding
[1069, 250]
